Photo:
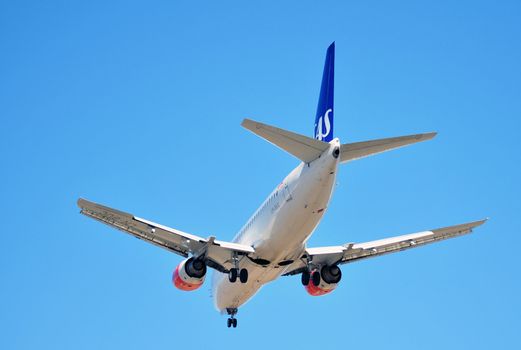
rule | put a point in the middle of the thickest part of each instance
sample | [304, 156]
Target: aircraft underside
[283, 231]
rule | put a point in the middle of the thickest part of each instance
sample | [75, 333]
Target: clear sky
[138, 105]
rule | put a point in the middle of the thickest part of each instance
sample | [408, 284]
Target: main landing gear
[232, 321]
[313, 277]
[235, 272]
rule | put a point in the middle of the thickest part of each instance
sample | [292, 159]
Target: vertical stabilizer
[324, 117]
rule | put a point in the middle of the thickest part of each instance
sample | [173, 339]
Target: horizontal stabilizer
[304, 148]
[357, 150]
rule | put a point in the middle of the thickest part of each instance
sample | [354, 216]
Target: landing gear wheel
[232, 321]
[243, 276]
[305, 278]
[315, 278]
[232, 275]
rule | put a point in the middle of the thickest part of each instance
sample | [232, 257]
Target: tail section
[308, 149]
[324, 117]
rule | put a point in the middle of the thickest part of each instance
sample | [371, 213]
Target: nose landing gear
[232, 321]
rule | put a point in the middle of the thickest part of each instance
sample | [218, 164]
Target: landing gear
[243, 276]
[235, 272]
[232, 321]
[312, 276]
[305, 278]
[232, 275]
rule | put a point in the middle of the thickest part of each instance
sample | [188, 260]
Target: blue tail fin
[324, 117]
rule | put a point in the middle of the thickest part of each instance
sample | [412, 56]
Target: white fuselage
[279, 229]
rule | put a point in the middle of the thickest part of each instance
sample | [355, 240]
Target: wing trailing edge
[217, 254]
[351, 252]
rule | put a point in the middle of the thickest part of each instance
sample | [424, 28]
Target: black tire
[315, 278]
[305, 278]
[243, 276]
[234, 323]
[229, 322]
[232, 275]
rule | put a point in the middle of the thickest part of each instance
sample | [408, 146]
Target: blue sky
[138, 105]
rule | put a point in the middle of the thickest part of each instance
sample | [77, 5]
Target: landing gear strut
[232, 321]
[311, 274]
[236, 272]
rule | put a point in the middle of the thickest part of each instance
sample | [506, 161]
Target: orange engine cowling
[324, 281]
[189, 274]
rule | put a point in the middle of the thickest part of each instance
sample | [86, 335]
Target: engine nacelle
[324, 281]
[189, 274]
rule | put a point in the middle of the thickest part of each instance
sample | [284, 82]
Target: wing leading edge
[351, 252]
[218, 254]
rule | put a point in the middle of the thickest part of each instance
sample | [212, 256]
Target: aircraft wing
[351, 252]
[218, 254]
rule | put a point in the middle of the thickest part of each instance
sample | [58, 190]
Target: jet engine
[189, 274]
[323, 281]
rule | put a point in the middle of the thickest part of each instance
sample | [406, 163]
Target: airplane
[272, 243]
